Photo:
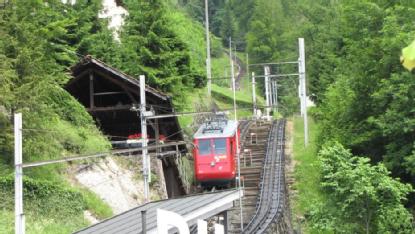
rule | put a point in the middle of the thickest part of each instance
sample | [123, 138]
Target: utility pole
[254, 94]
[208, 64]
[146, 159]
[270, 92]
[267, 91]
[19, 224]
[303, 93]
[274, 92]
[237, 136]
[247, 66]
[231, 61]
[276, 95]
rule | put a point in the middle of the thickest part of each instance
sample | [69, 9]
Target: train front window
[220, 146]
[204, 147]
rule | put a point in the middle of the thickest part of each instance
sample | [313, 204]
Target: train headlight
[212, 164]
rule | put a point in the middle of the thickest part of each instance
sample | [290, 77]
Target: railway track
[262, 166]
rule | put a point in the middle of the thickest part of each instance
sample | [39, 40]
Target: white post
[299, 89]
[201, 226]
[303, 87]
[276, 95]
[219, 229]
[300, 81]
[237, 139]
[266, 83]
[254, 94]
[271, 93]
[167, 220]
[247, 66]
[146, 161]
[231, 61]
[18, 181]
[208, 64]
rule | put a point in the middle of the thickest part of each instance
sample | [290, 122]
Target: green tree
[152, 48]
[228, 25]
[366, 198]
[368, 106]
[270, 39]
[35, 53]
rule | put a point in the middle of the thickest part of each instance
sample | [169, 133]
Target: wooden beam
[125, 87]
[157, 135]
[91, 89]
[108, 93]
[109, 108]
[152, 98]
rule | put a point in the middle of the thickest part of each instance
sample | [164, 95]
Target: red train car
[215, 151]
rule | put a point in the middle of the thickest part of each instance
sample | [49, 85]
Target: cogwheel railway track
[263, 175]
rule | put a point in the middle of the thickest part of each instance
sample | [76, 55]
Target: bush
[43, 198]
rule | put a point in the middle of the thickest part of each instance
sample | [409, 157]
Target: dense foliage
[153, 48]
[263, 29]
[39, 41]
[361, 198]
[35, 52]
[44, 198]
[365, 96]
[368, 105]
[227, 18]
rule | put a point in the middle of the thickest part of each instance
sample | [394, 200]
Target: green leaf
[408, 56]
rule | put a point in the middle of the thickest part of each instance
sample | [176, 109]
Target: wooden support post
[144, 221]
[254, 95]
[91, 90]
[157, 135]
[226, 221]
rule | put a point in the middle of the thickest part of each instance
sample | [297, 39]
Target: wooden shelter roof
[88, 62]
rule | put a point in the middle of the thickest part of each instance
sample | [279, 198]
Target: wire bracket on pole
[146, 159]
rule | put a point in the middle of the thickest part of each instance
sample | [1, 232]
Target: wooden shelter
[110, 97]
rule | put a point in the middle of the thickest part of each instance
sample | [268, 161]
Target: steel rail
[272, 189]
[244, 126]
[256, 217]
[278, 191]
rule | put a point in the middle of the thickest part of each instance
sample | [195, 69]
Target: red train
[215, 151]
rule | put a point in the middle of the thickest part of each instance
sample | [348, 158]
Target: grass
[41, 225]
[50, 205]
[221, 70]
[196, 100]
[243, 96]
[96, 205]
[307, 172]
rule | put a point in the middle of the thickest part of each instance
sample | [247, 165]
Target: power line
[100, 155]
[275, 63]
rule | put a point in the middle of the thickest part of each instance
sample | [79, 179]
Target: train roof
[216, 129]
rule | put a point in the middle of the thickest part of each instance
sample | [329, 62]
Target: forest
[364, 114]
